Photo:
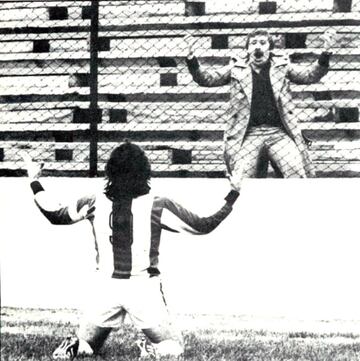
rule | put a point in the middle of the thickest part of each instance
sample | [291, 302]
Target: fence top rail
[224, 21]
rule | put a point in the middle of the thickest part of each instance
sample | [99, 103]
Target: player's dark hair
[127, 172]
[258, 32]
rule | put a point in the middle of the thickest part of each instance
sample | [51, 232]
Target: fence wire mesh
[290, 119]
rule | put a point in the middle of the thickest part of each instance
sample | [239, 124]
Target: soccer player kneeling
[127, 221]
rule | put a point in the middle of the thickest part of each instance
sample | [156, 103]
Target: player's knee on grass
[165, 341]
[84, 348]
[93, 336]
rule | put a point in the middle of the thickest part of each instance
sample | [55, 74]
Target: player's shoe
[67, 350]
[147, 349]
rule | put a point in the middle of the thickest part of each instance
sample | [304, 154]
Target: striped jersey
[127, 232]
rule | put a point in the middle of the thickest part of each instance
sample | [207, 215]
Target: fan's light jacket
[238, 75]
[127, 232]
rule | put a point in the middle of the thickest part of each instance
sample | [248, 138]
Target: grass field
[32, 334]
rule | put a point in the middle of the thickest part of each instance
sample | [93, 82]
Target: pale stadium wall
[289, 249]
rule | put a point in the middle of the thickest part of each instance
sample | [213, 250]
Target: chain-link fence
[181, 79]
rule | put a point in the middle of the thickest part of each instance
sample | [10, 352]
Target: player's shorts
[141, 298]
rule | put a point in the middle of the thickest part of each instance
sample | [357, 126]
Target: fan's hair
[259, 32]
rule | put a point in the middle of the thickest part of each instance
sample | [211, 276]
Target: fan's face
[259, 50]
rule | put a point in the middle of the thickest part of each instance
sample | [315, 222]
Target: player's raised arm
[202, 76]
[49, 204]
[176, 218]
[314, 72]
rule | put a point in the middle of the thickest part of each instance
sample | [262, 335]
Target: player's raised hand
[190, 44]
[33, 169]
[328, 38]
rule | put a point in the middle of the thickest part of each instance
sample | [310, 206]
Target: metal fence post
[94, 111]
